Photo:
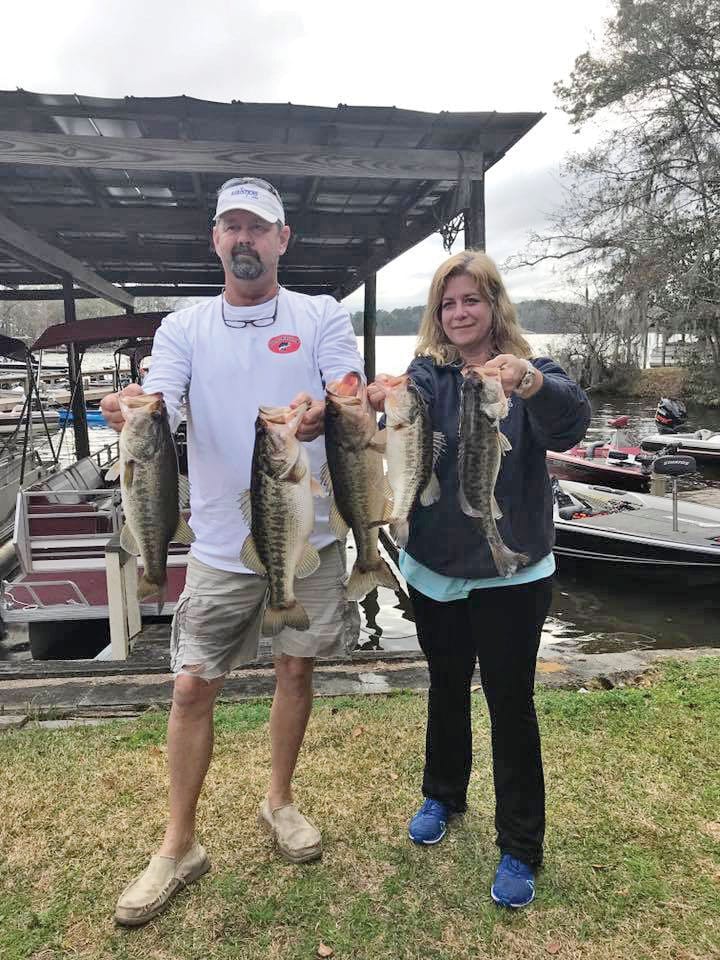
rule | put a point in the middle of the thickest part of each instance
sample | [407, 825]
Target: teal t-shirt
[444, 589]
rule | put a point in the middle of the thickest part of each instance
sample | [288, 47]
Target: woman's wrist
[529, 383]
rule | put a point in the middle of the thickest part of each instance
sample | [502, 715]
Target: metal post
[370, 325]
[134, 368]
[675, 504]
[475, 217]
[77, 393]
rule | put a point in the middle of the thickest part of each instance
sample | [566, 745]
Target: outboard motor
[670, 415]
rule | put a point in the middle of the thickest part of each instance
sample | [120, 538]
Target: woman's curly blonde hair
[506, 333]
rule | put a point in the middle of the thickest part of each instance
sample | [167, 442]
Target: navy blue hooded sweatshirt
[441, 537]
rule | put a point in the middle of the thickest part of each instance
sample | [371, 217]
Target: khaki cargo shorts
[217, 621]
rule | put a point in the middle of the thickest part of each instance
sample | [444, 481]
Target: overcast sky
[503, 56]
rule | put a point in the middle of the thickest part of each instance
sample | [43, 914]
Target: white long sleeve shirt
[224, 373]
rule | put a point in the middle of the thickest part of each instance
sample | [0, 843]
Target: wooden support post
[475, 217]
[123, 604]
[370, 325]
[80, 427]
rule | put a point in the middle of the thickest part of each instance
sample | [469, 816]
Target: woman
[465, 612]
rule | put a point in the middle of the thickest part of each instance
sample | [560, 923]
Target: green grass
[632, 854]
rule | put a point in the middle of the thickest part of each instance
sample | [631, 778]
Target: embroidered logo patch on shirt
[284, 343]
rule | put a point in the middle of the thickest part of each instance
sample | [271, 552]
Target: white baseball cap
[252, 194]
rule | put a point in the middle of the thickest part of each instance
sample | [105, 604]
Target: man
[256, 343]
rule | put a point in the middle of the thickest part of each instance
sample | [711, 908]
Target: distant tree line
[26, 320]
[535, 316]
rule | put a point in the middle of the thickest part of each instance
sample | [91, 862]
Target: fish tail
[507, 561]
[400, 531]
[275, 618]
[146, 588]
[362, 581]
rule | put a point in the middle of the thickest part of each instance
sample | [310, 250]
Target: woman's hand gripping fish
[482, 406]
[412, 450]
[148, 471]
[355, 476]
[279, 510]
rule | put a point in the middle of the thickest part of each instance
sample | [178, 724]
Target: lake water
[587, 614]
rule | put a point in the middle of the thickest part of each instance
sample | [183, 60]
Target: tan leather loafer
[150, 893]
[297, 839]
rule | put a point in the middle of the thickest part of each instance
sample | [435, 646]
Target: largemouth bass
[148, 471]
[279, 510]
[482, 406]
[356, 478]
[412, 450]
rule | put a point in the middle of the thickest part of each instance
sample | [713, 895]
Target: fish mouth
[147, 402]
[283, 415]
[349, 390]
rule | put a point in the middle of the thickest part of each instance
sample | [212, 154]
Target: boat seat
[86, 475]
[592, 447]
[60, 488]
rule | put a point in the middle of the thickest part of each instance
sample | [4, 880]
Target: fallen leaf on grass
[358, 731]
[393, 776]
[553, 947]
[599, 866]
[324, 950]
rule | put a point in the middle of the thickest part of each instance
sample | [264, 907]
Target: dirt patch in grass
[632, 849]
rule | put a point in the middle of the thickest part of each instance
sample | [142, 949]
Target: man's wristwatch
[527, 381]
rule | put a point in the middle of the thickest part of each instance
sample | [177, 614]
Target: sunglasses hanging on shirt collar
[258, 322]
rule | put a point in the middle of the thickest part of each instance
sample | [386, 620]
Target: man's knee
[294, 674]
[195, 695]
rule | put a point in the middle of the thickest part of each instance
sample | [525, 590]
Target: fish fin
[308, 562]
[400, 531]
[505, 445]
[326, 479]
[439, 445]
[388, 508]
[128, 541]
[316, 488]
[246, 507]
[361, 582]
[495, 507]
[296, 472]
[183, 491]
[431, 493]
[129, 473]
[251, 558]
[113, 472]
[184, 533]
[275, 618]
[465, 506]
[507, 561]
[337, 523]
[379, 442]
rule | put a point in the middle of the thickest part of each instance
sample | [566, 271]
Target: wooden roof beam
[30, 249]
[116, 153]
[187, 221]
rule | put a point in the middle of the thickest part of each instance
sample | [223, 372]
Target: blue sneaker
[429, 824]
[514, 884]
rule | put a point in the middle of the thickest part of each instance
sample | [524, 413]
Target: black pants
[500, 629]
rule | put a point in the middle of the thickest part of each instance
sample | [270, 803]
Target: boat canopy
[13, 349]
[94, 330]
